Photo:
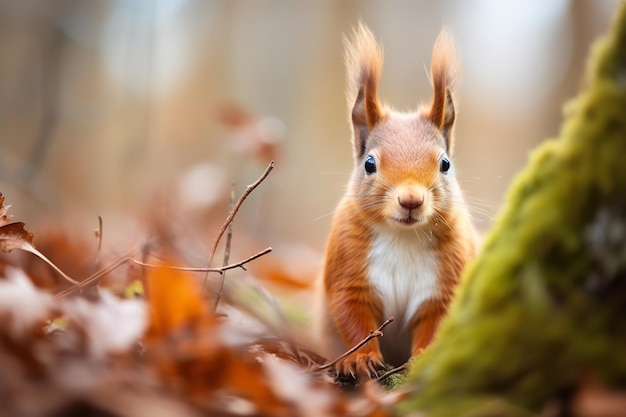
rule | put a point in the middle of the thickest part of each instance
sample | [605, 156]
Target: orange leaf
[175, 303]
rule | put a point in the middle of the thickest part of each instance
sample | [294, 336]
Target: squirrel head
[403, 175]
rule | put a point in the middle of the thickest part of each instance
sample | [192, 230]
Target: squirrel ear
[442, 116]
[365, 114]
[443, 69]
[364, 59]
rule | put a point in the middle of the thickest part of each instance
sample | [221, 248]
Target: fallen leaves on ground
[157, 349]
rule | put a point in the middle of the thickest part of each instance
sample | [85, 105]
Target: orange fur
[402, 234]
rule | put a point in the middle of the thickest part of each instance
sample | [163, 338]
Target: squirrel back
[402, 233]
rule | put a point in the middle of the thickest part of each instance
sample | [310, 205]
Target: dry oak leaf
[4, 217]
[14, 236]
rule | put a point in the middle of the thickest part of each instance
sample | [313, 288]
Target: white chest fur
[403, 270]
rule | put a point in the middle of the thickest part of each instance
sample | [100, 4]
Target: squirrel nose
[410, 202]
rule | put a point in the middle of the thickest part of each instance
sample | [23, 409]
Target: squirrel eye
[370, 165]
[444, 165]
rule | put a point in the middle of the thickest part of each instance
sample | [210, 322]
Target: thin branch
[93, 278]
[226, 226]
[393, 371]
[373, 333]
[232, 214]
[219, 270]
[229, 238]
[98, 233]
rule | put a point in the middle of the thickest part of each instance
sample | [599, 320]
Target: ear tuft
[364, 60]
[443, 73]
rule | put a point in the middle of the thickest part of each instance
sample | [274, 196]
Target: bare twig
[219, 270]
[229, 237]
[94, 277]
[98, 233]
[232, 214]
[373, 333]
[393, 371]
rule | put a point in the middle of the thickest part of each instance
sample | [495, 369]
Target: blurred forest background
[125, 107]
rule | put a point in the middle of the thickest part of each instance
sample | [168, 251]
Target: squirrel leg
[425, 324]
[354, 319]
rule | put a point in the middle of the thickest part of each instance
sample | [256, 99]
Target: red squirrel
[402, 233]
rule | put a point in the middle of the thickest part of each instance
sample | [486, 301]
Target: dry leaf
[111, 325]
[4, 217]
[175, 302]
[186, 346]
[23, 302]
[87, 354]
[14, 236]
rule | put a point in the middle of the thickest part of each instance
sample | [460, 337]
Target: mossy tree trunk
[543, 309]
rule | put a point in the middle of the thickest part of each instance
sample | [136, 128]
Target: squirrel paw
[360, 365]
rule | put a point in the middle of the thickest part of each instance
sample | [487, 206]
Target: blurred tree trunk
[538, 326]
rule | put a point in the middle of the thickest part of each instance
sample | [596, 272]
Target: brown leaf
[14, 236]
[4, 217]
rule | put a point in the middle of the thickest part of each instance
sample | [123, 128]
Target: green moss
[544, 303]
[392, 381]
